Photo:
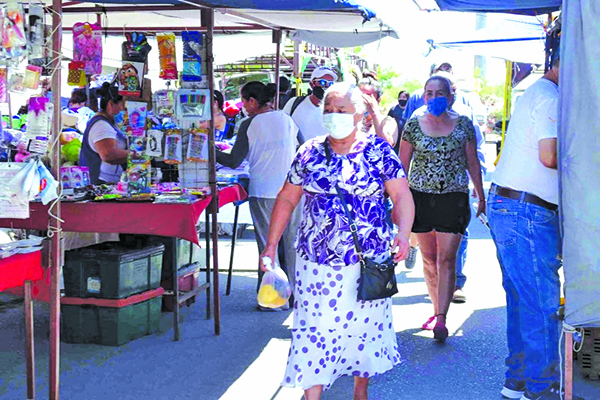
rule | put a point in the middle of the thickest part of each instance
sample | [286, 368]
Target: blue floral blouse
[324, 234]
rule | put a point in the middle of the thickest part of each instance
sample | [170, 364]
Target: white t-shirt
[535, 118]
[308, 117]
[103, 130]
[271, 149]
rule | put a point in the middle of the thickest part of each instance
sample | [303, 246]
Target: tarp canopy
[358, 24]
[519, 40]
[579, 161]
[533, 7]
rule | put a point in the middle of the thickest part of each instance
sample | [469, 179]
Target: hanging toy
[168, 62]
[154, 145]
[197, 149]
[35, 33]
[76, 76]
[87, 46]
[135, 48]
[131, 77]
[15, 83]
[3, 86]
[164, 103]
[13, 29]
[173, 147]
[192, 60]
[32, 77]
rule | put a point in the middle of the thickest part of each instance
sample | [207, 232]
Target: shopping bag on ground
[275, 289]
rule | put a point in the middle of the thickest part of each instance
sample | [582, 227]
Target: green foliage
[392, 85]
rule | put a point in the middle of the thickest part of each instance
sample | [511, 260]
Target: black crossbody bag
[377, 280]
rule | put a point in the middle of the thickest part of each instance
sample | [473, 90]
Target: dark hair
[77, 97]
[284, 84]
[370, 74]
[403, 92]
[108, 92]
[370, 81]
[219, 99]
[445, 81]
[259, 91]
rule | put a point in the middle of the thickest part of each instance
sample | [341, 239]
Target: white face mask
[338, 125]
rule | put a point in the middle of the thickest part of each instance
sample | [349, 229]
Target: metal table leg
[29, 345]
[175, 277]
[207, 235]
[233, 239]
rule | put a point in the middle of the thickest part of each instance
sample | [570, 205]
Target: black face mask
[319, 92]
[402, 103]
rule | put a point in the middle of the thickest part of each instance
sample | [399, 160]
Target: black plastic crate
[112, 271]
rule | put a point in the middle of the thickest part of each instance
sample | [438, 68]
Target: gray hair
[350, 90]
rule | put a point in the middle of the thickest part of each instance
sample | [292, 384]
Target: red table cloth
[17, 269]
[172, 220]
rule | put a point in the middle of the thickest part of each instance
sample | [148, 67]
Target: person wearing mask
[524, 222]
[459, 295]
[333, 333]
[397, 112]
[374, 123]
[306, 110]
[440, 147]
[267, 139]
[104, 147]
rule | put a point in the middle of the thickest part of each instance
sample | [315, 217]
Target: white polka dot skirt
[334, 334]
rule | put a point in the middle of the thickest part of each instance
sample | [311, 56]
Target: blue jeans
[461, 259]
[528, 244]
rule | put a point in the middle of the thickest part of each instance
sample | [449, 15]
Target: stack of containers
[113, 294]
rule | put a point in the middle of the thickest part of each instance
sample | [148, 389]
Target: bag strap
[353, 227]
[296, 103]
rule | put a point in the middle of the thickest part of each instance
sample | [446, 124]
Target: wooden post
[56, 251]
[29, 346]
[568, 366]
[209, 18]
[277, 41]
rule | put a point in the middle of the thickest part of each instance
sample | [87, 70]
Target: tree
[392, 85]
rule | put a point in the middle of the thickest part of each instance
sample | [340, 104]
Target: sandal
[428, 326]
[440, 332]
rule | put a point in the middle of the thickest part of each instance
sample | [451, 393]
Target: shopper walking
[333, 333]
[442, 147]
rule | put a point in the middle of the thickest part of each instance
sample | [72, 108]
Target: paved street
[247, 361]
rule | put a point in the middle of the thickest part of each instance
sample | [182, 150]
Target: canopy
[519, 40]
[533, 7]
[579, 162]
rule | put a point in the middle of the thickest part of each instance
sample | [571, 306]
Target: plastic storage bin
[188, 281]
[110, 322]
[589, 356]
[112, 271]
[187, 253]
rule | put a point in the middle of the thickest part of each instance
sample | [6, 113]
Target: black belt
[526, 197]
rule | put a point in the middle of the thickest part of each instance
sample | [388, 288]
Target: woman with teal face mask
[440, 148]
[334, 334]
[104, 147]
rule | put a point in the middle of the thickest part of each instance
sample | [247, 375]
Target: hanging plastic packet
[137, 112]
[76, 76]
[13, 29]
[193, 103]
[154, 143]
[35, 32]
[275, 289]
[135, 48]
[48, 185]
[131, 78]
[138, 178]
[164, 103]
[15, 83]
[197, 145]
[87, 46]
[173, 147]
[168, 61]
[192, 56]
[3, 85]
[38, 124]
[32, 77]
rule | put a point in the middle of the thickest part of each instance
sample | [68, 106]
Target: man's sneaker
[513, 388]
[459, 297]
[411, 259]
[551, 393]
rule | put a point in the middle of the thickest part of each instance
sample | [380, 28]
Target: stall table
[160, 219]
[21, 270]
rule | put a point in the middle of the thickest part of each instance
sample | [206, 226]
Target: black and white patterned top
[439, 164]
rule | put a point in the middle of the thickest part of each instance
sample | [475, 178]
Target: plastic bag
[275, 289]
[166, 49]
[192, 56]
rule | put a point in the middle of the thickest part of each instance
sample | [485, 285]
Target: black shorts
[447, 213]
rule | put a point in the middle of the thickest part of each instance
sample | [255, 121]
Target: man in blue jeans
[523, 217]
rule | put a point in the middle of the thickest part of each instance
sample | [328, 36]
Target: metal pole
[29, 341]
[277, 40]
[568, 366]
[56, 251]
[297, 62]
[214, 206]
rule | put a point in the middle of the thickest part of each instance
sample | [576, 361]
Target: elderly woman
[333, 333]
[442, 147]
[104, 147]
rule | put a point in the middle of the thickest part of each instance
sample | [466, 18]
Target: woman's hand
[371, 103]
[270, 251]
[402, 245]
[480, 208]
